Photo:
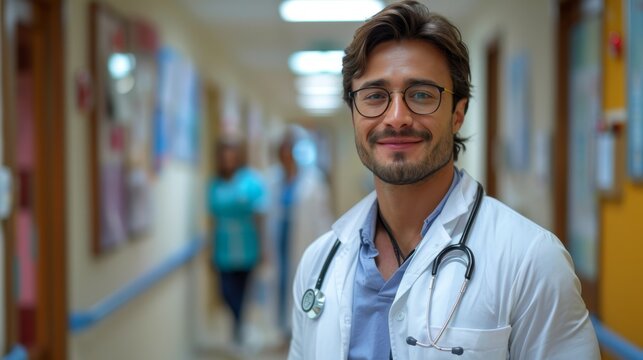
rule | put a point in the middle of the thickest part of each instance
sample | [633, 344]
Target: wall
[159, 324]
[622, 248]
[521, 26]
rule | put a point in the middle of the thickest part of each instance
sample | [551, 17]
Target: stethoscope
[313, 300]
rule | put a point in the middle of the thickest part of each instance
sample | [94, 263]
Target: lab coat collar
[347, 226]
[346, 229]
[445, 230]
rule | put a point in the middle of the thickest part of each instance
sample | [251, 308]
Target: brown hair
[410, 20]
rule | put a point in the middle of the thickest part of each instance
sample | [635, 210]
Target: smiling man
[427, 266]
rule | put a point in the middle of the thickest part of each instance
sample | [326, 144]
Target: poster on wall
[176, 123]
[584, 114]
[145, 48]
[517, 130]
[635, 88]
[122, 60]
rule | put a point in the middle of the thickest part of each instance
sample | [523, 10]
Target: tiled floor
[236, 353]
[261, 341]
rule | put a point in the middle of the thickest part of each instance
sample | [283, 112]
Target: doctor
[364, 290]
[300, 211]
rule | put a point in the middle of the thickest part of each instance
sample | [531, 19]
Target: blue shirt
[234, 204]
[372, 296]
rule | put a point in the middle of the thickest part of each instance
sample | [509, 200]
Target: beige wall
[159, 324]
[522, 26]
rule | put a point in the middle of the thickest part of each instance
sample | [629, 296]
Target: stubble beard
[402, 171]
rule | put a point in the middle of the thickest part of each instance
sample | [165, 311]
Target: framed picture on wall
[123, 71]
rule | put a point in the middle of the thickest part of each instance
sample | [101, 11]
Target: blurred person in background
[300, 211]
[427, 266]
[237, 201]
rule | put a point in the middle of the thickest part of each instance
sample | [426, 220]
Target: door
[33, 150]
[492, 149]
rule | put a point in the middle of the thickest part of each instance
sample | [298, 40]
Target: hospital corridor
[165, 164]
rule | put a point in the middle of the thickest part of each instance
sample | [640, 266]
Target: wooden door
[33, 149]
[493, 64]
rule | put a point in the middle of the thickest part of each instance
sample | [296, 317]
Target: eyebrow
[410, 82]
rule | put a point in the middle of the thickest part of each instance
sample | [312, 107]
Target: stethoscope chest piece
[313, 303]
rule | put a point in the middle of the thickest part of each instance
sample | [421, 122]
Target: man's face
[399, 146]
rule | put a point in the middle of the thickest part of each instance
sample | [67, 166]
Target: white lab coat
[311, 213]
[523, 300]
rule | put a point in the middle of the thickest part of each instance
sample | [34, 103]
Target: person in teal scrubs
[237, 200]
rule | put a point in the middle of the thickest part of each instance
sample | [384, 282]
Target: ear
[458, 114]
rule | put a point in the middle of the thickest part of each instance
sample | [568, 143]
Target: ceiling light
[329, 10]
[319, 84]
[314, 62]
[320, 102]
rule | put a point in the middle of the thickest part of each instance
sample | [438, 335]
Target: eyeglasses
[421, 99]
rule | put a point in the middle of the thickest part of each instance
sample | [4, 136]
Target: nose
[398, 114]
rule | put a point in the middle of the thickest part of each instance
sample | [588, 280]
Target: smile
[399, 143]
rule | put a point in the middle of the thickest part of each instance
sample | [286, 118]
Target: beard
[402, 170]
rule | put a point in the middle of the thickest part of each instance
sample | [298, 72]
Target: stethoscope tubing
[324, 269]
[319, 299]
[462, 247]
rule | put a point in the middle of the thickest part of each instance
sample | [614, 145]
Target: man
[407, 82]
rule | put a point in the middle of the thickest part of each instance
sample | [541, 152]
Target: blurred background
[110, 115]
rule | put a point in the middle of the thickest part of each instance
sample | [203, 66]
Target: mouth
[399, 143]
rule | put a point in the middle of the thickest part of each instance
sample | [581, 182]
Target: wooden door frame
[50, 180]
[570, 13]
[7, 154]
[492, 56]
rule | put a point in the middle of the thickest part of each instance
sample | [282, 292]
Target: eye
[422, 94]
[372, 95]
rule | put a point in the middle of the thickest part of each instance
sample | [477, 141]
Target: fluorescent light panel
[328, 10]
[320, 102]
[314, 62]
[319, 84]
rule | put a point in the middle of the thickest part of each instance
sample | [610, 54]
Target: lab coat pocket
[477, 344]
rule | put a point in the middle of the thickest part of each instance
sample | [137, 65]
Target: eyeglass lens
[421, 99]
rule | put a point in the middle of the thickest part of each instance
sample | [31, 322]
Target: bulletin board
[122, 56]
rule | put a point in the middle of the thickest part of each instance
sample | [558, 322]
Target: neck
[405, 207]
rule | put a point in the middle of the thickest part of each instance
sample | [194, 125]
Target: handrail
[84, 319]
[614, 343]
[17, 353]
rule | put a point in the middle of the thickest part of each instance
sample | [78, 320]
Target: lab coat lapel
[441, 232]
[347, 230]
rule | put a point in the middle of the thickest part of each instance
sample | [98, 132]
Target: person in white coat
[388, 280]
[300, 211]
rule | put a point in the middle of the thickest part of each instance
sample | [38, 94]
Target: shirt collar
[368, 227]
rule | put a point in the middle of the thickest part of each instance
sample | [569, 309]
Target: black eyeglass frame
[442, 89]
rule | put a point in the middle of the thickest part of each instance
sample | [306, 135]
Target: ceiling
[255, 38]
